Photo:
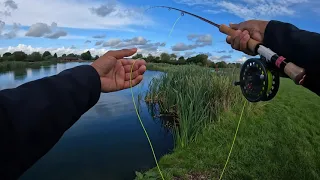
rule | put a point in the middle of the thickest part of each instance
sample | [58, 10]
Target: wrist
[262, 27]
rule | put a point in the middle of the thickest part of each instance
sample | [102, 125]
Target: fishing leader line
[144, 129]
[234, 139]
[136, 109]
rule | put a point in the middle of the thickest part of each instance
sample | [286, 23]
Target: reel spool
[259, 81]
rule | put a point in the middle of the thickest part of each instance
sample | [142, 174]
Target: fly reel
[259, 81]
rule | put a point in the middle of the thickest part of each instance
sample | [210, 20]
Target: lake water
[107, 142]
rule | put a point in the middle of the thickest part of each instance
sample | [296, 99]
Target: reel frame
[259, 80]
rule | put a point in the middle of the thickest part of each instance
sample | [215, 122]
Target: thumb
[234, 26]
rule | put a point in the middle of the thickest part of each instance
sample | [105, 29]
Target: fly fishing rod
[259, 77]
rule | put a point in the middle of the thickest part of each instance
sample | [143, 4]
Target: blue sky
[70, 26]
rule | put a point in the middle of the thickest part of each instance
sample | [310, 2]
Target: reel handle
[296, 73]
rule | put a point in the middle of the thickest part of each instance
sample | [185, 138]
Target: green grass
[16, 65]
[159, 67]
[279, 139]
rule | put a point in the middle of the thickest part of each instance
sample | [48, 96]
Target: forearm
[298, 46]
[35, 115]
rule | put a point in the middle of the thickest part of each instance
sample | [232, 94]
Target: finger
[236, 40]
[256, 36]
[141, 70]
[127, 68]
[234, 26]
[132, 75]
[134, 82]
[118, 54]
[229, 39]
[136, 66]
[130, 61]
[244, 38]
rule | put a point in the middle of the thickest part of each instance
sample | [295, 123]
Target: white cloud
[11, 4]
[112, 42]
[221, 58]
[101, 36]
[139, 42]
[198, 41]
[73, 14]
[254, 9]
[8, 33]
[98, 43]
[7, 7]
[38, 30]
[104, 10]
[242, 59]
[189, 53]
[44, 30]
[72, 49]
[57, 34]
[62, 50]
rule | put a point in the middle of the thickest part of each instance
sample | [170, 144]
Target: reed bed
[195, 95]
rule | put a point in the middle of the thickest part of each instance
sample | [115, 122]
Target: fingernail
[247, 37]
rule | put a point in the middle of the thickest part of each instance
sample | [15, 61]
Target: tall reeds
[195, 95]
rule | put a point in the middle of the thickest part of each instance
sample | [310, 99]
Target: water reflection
[107, 142]
[20, 74]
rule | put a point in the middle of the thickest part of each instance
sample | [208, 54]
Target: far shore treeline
[200, 59]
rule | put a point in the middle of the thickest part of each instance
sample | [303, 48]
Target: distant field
[279, 139]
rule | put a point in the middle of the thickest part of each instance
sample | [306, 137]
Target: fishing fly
[259, 77]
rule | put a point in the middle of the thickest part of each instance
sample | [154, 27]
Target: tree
[19, 56]
[200, 59]
[150, 58]
[97, 57]
[221, 64]
[86, 56]
[8, 58]
[6, 54]
[48, 58]
[45, 54]
[137, 56]
[72, 55]
[55, 55]
[181, 60]
[64, 55]
[173, 57]
[165, 57]
[35, 56]
[212, 64]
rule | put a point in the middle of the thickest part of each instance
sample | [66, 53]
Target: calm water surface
[106, 143]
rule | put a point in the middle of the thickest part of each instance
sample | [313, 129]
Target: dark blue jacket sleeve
[298, 46]
[35, 115]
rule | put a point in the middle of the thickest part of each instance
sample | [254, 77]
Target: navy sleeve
[298, 46]
[35, 115]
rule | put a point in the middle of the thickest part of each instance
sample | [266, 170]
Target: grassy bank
[159, 67]
[279, 139]
[15, 65]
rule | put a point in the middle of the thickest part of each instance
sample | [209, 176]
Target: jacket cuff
[269, 32]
